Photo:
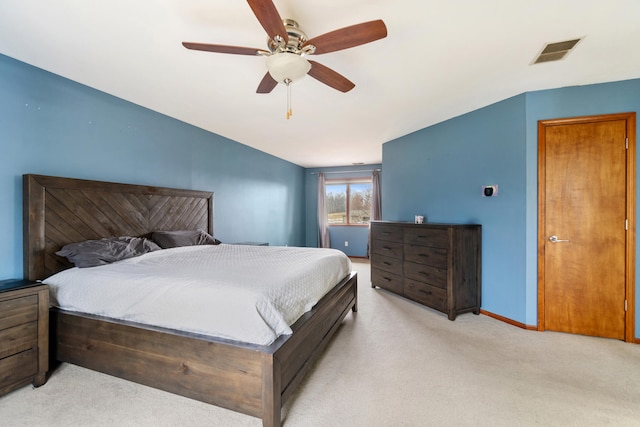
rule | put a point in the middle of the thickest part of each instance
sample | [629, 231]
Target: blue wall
[52, 126]
[357, 236]
[439, 171]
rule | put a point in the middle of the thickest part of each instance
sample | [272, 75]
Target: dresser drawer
[18, 367]
[433, 237]
[18, 311]
[435, 276]
[392, 265]
[387, 248]
[435, 257]
[386, 232]
[385, 280]
[425, 294]
[17, 339]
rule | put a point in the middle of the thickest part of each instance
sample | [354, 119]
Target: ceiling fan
[288, 46]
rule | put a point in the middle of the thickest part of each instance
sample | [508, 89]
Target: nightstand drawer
[18, 311]
[24, 334]
[18, 339]
[18, 367]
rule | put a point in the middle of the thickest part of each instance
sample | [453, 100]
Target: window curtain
[376, 203]
[376, 200]
[323, 226]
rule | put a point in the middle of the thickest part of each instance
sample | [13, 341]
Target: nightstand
[24, 334]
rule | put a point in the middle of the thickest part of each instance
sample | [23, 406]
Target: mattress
[245, 293]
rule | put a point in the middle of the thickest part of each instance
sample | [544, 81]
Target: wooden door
[584, 240]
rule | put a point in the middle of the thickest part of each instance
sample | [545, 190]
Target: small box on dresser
[438, 265]
[24, 334]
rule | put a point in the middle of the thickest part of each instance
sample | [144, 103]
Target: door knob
[554, 239]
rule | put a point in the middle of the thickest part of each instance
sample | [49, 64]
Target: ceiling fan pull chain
[289, 109]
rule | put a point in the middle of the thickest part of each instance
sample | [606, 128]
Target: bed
[249, 378]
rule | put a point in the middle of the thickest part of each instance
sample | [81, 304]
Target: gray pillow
[91, 253]
[174, 239]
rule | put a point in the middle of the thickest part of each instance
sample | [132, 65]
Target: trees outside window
[348, 201]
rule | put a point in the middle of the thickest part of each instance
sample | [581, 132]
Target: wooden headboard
[58, 211]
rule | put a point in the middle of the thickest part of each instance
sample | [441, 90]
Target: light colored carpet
[394, 363]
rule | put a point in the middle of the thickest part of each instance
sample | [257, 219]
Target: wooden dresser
[24, 334]
[438, 265]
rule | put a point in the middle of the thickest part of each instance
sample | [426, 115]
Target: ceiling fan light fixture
[285, 66]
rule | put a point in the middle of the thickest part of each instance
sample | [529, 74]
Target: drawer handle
[385, 248]
[386, 233]
[386, 263]
[386, 279]
[428, 273]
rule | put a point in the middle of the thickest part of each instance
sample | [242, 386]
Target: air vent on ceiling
[556, 51]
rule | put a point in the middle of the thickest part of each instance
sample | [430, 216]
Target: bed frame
[251, 379]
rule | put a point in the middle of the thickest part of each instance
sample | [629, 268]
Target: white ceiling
[440, 59]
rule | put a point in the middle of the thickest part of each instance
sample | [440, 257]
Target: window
[348, 201]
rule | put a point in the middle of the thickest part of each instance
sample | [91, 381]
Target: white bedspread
[245, 293]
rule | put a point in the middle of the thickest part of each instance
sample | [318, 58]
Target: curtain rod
[361, 170]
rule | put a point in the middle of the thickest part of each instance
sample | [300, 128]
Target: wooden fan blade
[347, 37]
[329, 77]
[267, 84]
[269, 18]
[220, 48]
